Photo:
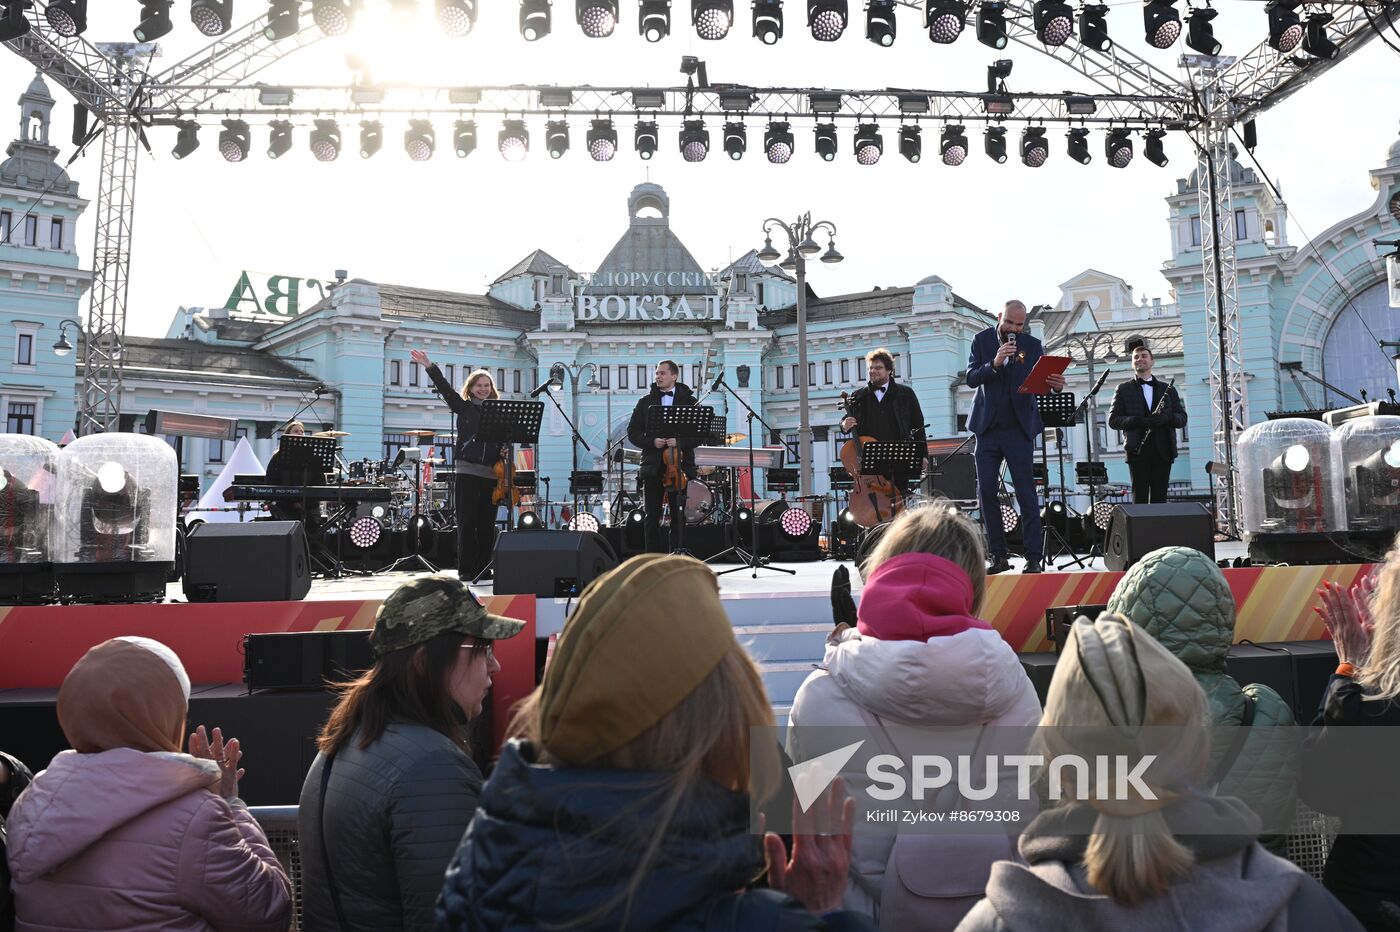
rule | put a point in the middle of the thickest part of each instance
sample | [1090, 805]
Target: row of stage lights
[513, 141]
[945, 20]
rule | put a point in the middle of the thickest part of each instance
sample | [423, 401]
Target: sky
[992, 231]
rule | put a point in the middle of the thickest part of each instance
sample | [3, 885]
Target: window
[895, 371]
[845, 370]
[539, 289]
[216, 451]
[1241, 224]
[811, 373]
[24, 350]
[758, 290]
[962, 423]
[860, 368]
[395, 372]
[31, 231]
[621, 376]
[500, 379]
[826, 372]
[779, 383]
[515, 380]
[604, 377]
[796, 378]
[56, 233]
[451, 373]
[6, 218]
[413, 368]
[1195, 231]
[694, 374]
[21, 419]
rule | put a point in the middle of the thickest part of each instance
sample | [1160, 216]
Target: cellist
[666, 390]
[884, 409]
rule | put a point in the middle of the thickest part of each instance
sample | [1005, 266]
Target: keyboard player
[295, 466]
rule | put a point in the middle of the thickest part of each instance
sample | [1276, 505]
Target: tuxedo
[653, 492]
[1149, 462]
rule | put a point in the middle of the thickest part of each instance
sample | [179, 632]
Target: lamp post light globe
[61, 346]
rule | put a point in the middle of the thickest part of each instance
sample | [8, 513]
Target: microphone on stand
[542, 389]
[718, 379]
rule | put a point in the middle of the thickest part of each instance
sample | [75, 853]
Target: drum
[699, 503]
[360, 471]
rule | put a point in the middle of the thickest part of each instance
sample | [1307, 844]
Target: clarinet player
[1149, 412]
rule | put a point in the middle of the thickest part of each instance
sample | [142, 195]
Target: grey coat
[395, 813]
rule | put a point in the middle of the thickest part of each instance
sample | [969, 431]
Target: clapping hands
[821, 851]
[226, 754]
[1346, 615]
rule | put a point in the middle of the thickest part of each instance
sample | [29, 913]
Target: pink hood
[914, 597]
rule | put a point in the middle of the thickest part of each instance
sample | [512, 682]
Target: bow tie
[1144, 381]
[670, 394]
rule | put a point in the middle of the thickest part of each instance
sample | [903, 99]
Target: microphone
[1011, 338]
[544, 387]
[718, 379]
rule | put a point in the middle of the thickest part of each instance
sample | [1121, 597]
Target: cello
[874, 499]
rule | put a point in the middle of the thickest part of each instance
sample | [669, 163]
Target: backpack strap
[1236, 745]
[325, 852]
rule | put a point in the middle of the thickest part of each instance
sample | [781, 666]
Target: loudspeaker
[1058, 619]
[261, 561]
[550, 564]
[956, 479]
[1136, 530]
[305, 659]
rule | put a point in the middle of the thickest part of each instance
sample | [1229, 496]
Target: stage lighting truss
[880, 26]
[1009, 518]
[535, 19]
[911, 142]
[602, 141]
[994, 144]
[712, 18]
[736, 140]
[644, 139]
[1093, 27]
[1285, 29]
[868, 144]
[155, 20]
[1118, 147]
[464, 138]
[528, 521]
[952, 145]
[1078, 145]
[1161, 23]
[333, 17]
[325, 141]
[795, 523]
[419, 140]
[68, 18]
[1200, 34]
[584, 521]
[597, 18]
[186, 139]
[283, 20]
[234, 140]
[695, 141]
[513, 141]
[827, 19]
[212, 17]
[456, 17]
[1103, 511]
[1034, 149]
[945, 20]
[365, 532]
[778, 143]
[825, 134]
[654, 19]
[556, 138]
[371, 137]
[1054, 22]
[768, 20]
[991, 24]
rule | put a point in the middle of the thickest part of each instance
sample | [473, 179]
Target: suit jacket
[637, 432]
[1129, 414]
[908, 416]
[993, 384]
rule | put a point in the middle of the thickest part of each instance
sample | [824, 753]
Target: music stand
[309, 453]
[508, 422]
[898, 459]
[584, 483]
[307, 462]
[1057, 410]
[683, 422]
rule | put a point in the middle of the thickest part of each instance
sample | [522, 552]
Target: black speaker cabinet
[956, 478]
[305, 659]
[550, 564]
[261, 561]
[1134, 531]
[1058, 619]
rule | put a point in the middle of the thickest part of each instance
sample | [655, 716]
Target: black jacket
[1129, 414]
[639, 438]
[545, 848]
[20, 777]
[908, 416]
[469, 449]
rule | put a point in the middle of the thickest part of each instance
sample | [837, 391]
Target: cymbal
[331, 433]
[731, 439]
[420, 433]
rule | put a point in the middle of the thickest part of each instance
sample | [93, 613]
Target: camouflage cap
[424, 608]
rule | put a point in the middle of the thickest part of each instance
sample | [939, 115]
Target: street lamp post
[574, 371]
[1090, 348]
[801, 247]
[61, 346]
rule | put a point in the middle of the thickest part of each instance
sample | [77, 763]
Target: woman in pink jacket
[125, 832]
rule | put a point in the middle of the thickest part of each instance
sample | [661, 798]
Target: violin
[874, 499]
[672, 474]
[503, 485]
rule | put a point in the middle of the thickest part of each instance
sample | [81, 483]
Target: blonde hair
[1131, 857]
[705, 737]
[1380, 669]
[478, 374]
[940, 529]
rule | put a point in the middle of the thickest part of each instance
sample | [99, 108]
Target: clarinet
[1156, 409]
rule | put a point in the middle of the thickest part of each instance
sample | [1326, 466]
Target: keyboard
[314, 493]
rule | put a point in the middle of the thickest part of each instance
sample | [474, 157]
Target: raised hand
[1346, 615]
[421, 358]
[226, 754]
[821, 851]
[843, 607]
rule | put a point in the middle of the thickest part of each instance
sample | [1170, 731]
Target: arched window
[1351, 360]
[34, 127]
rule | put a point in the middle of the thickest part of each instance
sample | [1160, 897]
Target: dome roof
[1392, 157]
[932, 280]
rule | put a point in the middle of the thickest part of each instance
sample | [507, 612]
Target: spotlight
[736, 140]
[371, 137]
[1093, 27]
[365, 532]
[514, 140]
[743, 516]
[333, 17]
[994, 143]
[584, 521]
[826, 140]
[1118, 148]
[602, 141]
[869, 146]
[1200, 34]
[187, 140]
[419, 141]
[712, 18]
[952, 146]
[154, 22]
[778, 143]
[1162, 23]
[654, 19]
[597, 18]
[325, 141]
[795, 523]
[1293, 489]
[68, 18]
[880, 22]
[1078, 145]
[1054, 21]
[534, 19]
[1152, 147]
[1315, 41]
[945, 19]
[1378, 488]
[768, 20]
[464, 137]
[279, 140]
[528, 521]
[282, 19]
[111, 477]
[991, 24]
[1034, 149]
[1009, 518]
[212, 17]
[695, 141]
[234, 140]
[1103, 512]
[911, 142]
[1285, 30]
[456, 17]
[827, 19]
[556, 138]
[644, 138]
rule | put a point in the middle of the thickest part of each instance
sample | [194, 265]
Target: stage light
[371, 137]
[880, 22]
[556, 138]
[211, 17]
[1034, 149]
[1055, 516]
[654, 19]
[68, 18]
[911, 142]
[994, 144]
[644, 138]
[464, 138]
[1118, 148]
[419, 141]
[952, 145]
[868, 145]
[1162, 23]
[332, 16]
[778, 144]
[1200, 34]
[946, 19]
[602, 141]
[534, 19]
[826, 140]
[365, 532]
[155, 20]
[795, 523]
[991, 24]
[1009, 518]
[768, 20]
[1152, 147]
[636, 516]
[827, 19]
[528, 521]
[1378, 489]
[234, 141]
[1285, 30]
[1078, 145]
[584, 521]
[743, 516]
[1315, 41]
[111, 477]
[1093, 27]
[282, 19]
[1103, 511]
[456, 17]
[695, 141]
[325, 140]
[513, 140]
[1054, 22]
[1292, 487]
[712, 18]
[597, 18]
[187, 140]
[279, 140]
[736, 140]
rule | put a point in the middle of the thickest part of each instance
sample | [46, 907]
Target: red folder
[1044, 366]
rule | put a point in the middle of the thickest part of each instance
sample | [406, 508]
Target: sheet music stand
[315, 454]
[683, 422]
[1057, 410]
[508, 422]
[899, 460]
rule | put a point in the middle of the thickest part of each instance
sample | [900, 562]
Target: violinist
[884, 409]
[665, 391]
[474, 463]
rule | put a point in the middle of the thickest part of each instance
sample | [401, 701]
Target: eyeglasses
[489, 650]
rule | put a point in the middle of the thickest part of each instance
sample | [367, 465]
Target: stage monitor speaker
[550, 564]
[261, 561]
[305, 659]
[1134, 531]
[1059, 618]
[956, 479]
